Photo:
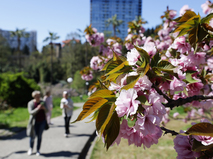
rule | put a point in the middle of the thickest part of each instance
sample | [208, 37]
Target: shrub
[16, 90]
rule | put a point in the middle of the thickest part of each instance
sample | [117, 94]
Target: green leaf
[131, 84]
[193, 36]
[103, 94]
[106, 65]
[202, 34]
[90, 106]
[187, 15]
[102, 116]
[165, 65]
[207, 18]
[155, 59]
[112, 109]
[202, 129]
[131, 79]
[143, 100]
[116, 67]
[189, 78]
[112, 130]
[112, 77]
[143, 54]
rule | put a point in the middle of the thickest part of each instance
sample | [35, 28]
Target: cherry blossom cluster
[95, 39]
[188, 78]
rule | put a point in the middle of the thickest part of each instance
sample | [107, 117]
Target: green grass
[18, 117]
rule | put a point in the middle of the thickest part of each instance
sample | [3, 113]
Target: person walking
[49, 103]
[37, 121]
[67, 109]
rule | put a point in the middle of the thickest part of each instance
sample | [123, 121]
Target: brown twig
[167, 131]
[181, 101]
[161, 93]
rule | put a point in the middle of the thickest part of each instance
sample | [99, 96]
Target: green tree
[115, 23]
[52, 37]
[73, 56]
[19, 33]
[5, 55]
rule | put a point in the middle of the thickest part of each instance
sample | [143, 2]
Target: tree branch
[167, 131]
[181, 101]
[161, 93]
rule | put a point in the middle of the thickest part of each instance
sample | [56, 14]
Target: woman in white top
[49, 103]
[67, 106]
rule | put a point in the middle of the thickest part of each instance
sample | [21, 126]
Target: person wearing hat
[67, 109]
[37, 121]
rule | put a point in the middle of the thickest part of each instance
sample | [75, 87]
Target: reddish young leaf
[90, 106]
[203, 129]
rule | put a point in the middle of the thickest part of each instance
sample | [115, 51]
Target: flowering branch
[181, 101]
[161, 93]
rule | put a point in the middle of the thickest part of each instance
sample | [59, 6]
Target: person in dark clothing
[67, 106]
[37, 121]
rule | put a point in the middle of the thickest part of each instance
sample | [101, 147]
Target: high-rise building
[30, 41]
[126, 10]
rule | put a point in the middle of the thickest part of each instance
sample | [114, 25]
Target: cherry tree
[156, 75]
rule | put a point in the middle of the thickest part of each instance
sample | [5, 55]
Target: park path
[54, 144]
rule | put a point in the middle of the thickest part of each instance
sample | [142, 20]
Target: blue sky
[65, 16]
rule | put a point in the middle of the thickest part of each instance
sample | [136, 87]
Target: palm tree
[19, 33]
[52, 37]
[115, 23]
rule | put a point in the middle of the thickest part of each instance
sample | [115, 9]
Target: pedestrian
[67, 106]
[37, 121]
[49, 103]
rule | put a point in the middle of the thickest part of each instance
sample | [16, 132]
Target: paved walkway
[54, 144]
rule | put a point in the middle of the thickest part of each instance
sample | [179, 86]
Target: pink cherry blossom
[96, 63]
[184, 9]
[114, 86]
[132, 56]
[126, 102]
[172, 14]
[146, 124]
[210, 63]
[205, 140]
[176, 85]
[181, 45]
[95, 39]
[143, 84]
[175, 114]
[87, 77]
[194, 88]
[156, 108]
[128, 45]
[183, 147]
[142, 29]
[150, 48]
[206, 7]
[130, 133]
[151, 139]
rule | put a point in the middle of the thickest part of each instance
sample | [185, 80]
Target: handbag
[46, 125]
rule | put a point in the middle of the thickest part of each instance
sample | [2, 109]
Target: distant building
[30, 41]
[126, 10]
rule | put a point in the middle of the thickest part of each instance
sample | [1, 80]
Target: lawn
[18, 117]
[163, 150]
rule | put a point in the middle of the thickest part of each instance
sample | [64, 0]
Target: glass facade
[126, 10]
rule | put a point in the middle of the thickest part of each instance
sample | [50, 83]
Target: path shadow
[60, 154]
[18, 135]
[79, 135]
[58, 126]
[19, 152]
